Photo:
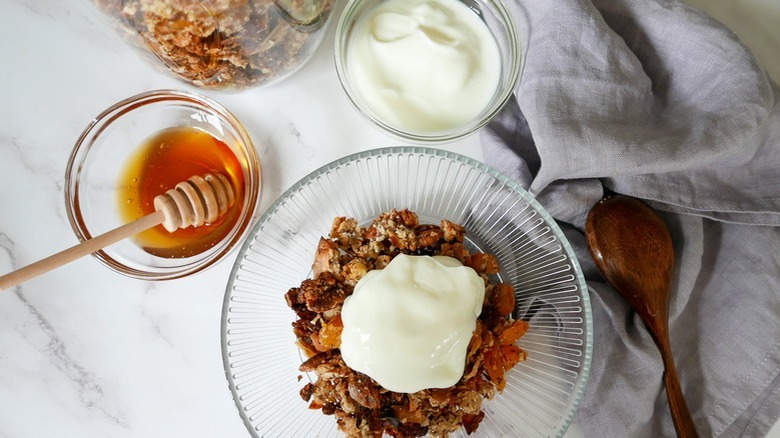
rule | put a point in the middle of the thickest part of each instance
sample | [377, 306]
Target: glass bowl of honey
[140, 148]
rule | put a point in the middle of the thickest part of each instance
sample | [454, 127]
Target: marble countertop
[87, 352]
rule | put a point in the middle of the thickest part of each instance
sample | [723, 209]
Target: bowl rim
[579, 391]
[73, 171]
[517, 63]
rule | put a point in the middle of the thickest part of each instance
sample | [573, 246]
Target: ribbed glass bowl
[258, 345]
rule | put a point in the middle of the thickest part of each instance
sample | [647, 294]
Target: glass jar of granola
[222, 44]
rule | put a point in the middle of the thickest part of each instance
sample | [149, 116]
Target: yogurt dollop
[424, 65]
[408, 325]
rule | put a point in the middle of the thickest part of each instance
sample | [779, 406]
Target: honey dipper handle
[75, 252]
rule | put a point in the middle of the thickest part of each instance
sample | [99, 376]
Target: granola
[222, 43]
[360, 405]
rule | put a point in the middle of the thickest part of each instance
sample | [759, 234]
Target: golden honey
[164, 160]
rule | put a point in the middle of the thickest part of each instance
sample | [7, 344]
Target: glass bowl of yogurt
[428, 71]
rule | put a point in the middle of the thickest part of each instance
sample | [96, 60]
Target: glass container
[221, 44]
[93, 177]
[259, 350]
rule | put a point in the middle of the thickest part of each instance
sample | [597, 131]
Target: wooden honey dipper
[199, 200]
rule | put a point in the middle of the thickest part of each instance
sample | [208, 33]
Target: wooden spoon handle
[681, 416]
[84, 248]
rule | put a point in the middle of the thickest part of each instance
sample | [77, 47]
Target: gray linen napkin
[654, 99]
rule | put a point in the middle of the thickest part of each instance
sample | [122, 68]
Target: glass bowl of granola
[226, 44]
[428, 71]
[527, 360]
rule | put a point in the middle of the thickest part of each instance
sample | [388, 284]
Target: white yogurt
[424, 65]
[408, 325]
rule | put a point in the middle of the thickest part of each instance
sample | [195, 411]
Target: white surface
[87, 352]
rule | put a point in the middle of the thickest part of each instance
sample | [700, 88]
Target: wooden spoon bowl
[632, 248]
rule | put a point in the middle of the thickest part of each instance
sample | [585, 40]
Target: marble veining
[14, 148]
[8, 249]
[86, 385]
[154, 320]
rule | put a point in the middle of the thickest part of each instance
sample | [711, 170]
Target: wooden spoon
[199, 200]
[633, 250]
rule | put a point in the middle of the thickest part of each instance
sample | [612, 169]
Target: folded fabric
[655, 100]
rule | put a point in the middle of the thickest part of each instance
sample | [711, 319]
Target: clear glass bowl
[500, 24]
[226, 44]
[102, 152]
[259, 352]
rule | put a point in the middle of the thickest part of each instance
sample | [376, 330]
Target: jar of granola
[222, 44]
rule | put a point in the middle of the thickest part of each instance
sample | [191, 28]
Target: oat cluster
[361, 407]
[222, 43]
